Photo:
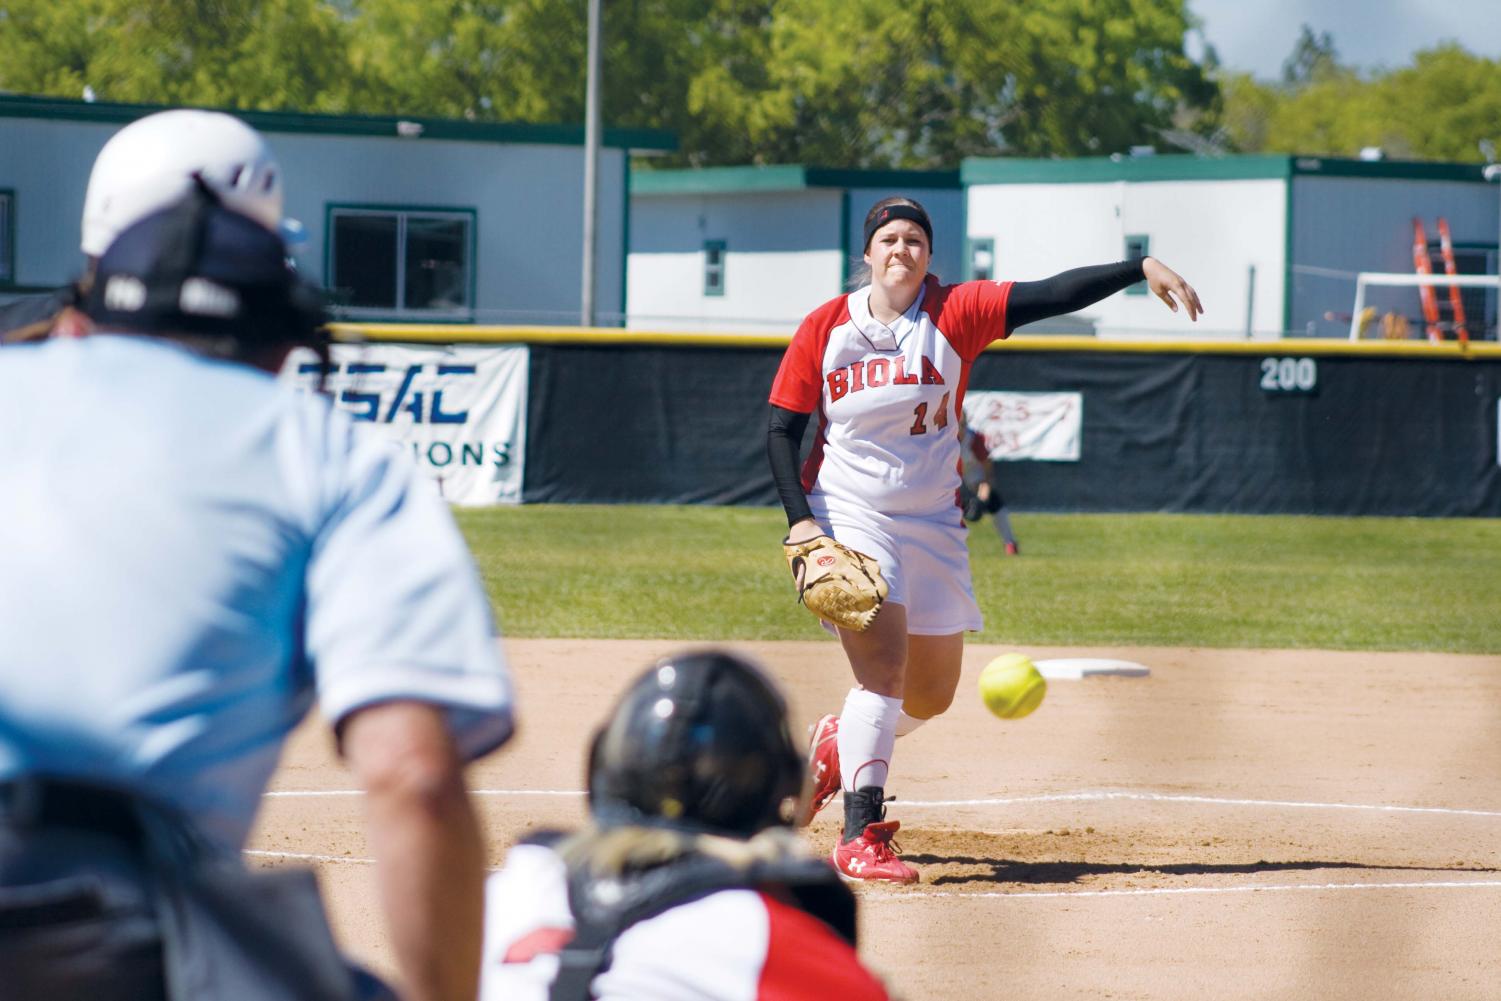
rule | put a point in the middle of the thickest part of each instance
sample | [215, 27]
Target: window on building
[714, 254]
[1137, 248]
[7, 237]
[982, 259]
[385, 261]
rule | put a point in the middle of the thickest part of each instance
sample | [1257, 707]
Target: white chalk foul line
[1163, 891]
[1166, 891]
[307, 857]
[1155, 797]
[313, 793]
[1071, 797]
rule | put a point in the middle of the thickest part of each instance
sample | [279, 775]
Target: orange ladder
[1422, 262]
[1456, 304]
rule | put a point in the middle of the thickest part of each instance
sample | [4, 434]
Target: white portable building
[754, 249]
[1272, 243]
[406, 219]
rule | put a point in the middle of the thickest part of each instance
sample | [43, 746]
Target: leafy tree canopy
[857, 83]
[1444, 106]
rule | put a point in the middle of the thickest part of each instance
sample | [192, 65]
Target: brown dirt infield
[1242, 824]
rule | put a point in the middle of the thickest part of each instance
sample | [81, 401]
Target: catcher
[687, 881]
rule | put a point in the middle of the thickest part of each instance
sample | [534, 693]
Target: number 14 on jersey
[940, 416]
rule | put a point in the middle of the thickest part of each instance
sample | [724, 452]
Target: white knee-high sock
[867, 734]
[906, 724]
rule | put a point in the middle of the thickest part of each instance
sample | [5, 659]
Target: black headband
[890, 212]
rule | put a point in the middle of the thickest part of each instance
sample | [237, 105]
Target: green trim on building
[844, 241]
[1394, 170]
[1097, 170]
[1141, 244]
[61, 109]
[406, 314]
[718, 269]
[8, 282]
[1287, 257]
[964, 265]
[823, 177]
[625, 235]
[972, 248]
[781, 177]
[1104, 169]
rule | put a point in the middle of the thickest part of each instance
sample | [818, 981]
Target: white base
[1074, 668]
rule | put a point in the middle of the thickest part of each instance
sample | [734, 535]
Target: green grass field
[702, 573]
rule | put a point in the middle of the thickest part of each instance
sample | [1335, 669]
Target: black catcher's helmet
[700, 741]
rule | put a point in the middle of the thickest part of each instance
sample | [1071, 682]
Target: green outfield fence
[1292, 426]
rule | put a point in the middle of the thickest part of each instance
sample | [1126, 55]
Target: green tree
[1248, 107]
[1313, 58]
[857, 83]
[1442, 107]
[925, 83]
[225, 53]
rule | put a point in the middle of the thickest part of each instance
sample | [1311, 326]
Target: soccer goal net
[1368, 319]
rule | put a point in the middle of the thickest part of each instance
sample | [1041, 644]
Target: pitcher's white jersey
[890, 399]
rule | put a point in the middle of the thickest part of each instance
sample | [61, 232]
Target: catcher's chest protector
[604, 907]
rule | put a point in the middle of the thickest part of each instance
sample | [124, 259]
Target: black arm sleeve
[784, 438]
[1068, 291]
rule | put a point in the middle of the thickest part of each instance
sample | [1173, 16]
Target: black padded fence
[1282, 430]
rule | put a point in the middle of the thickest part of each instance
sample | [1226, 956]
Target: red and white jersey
[972, 456]
[734, 945]
[890, 399]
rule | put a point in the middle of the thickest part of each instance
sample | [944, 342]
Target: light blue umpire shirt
[192, 553]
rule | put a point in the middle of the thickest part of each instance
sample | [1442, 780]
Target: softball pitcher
[885, 368]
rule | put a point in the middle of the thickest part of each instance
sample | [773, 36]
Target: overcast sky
[1257, 35]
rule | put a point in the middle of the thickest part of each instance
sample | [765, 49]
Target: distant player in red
[979, 491]
[885, 368]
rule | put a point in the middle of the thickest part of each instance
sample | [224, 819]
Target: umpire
[193, 555]
[143, 168]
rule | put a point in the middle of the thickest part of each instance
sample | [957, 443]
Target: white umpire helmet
[150, 164]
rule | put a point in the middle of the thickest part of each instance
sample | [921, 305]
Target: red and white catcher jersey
[734, 945]
[890, 399]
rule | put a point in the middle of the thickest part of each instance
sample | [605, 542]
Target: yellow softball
[1011, 686]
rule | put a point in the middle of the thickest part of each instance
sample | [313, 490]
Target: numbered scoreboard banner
[1272, 433]
[1016, 426]
[460, 409]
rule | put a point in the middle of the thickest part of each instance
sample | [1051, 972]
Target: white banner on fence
[1045, 426]
[460, 409]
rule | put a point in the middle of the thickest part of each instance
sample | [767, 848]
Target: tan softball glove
[838, 584]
